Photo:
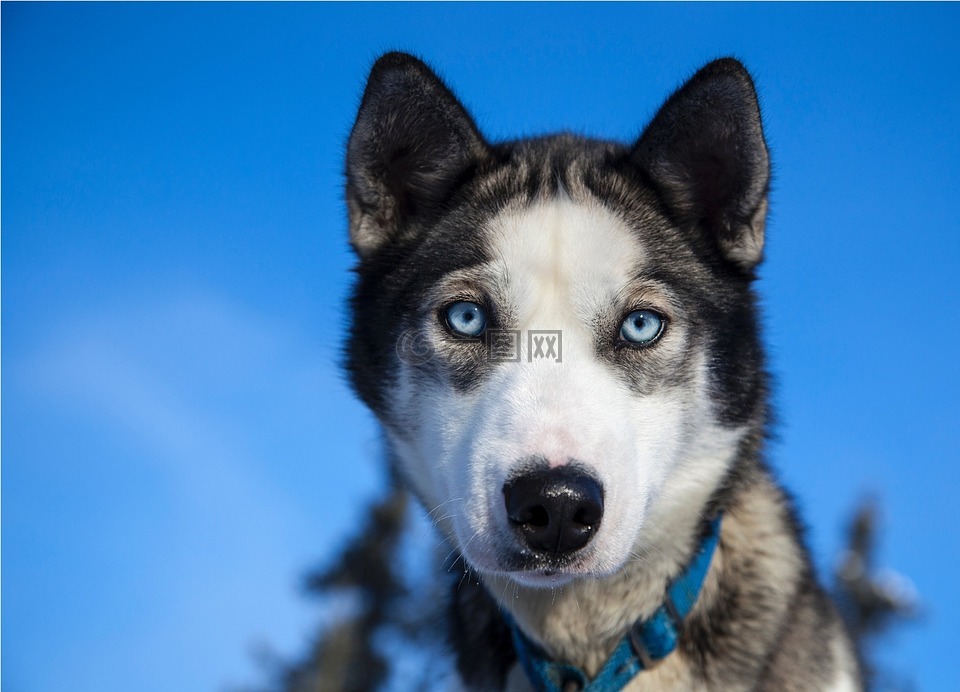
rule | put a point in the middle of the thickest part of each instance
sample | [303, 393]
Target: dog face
[558, 335]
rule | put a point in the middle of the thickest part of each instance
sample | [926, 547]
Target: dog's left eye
[642, 327]
[466, 318]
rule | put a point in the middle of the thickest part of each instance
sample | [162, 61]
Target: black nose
[554, 510]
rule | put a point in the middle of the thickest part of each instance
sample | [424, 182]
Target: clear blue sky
[178, 446]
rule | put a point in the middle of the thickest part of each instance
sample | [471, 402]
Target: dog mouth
[539, 577]
[537, 570]
[542, 579]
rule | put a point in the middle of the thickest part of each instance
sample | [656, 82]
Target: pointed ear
[411, 143]
[705, 154]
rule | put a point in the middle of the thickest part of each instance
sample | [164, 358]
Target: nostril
[554, 510]
[539, 516]
[588, 515]
[533, 515]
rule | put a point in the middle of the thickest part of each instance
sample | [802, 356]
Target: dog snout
[556, 510]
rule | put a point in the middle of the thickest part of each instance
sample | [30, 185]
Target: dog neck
[647, 643]
[582, 622]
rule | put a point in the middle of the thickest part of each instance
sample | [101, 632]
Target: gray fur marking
[568, 233]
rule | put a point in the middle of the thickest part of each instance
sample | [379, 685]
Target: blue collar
[643, 647]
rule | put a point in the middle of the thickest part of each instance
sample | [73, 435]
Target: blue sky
[178, 445]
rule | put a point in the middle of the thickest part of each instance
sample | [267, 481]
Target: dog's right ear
[411, 143]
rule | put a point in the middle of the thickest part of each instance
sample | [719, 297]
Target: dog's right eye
[465, 318]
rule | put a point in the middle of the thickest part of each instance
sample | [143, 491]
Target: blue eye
[466, 319]
[642, 327]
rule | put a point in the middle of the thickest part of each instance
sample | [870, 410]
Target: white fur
[561, 265]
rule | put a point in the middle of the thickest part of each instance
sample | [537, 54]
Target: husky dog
[561, 341]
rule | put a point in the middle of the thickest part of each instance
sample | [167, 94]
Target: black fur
[422, 181]
[481, 638]
[410, 144]
[705, 154]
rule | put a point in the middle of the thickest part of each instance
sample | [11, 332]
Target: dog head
[559, 334]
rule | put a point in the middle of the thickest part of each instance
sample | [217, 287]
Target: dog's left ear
[706, 156]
